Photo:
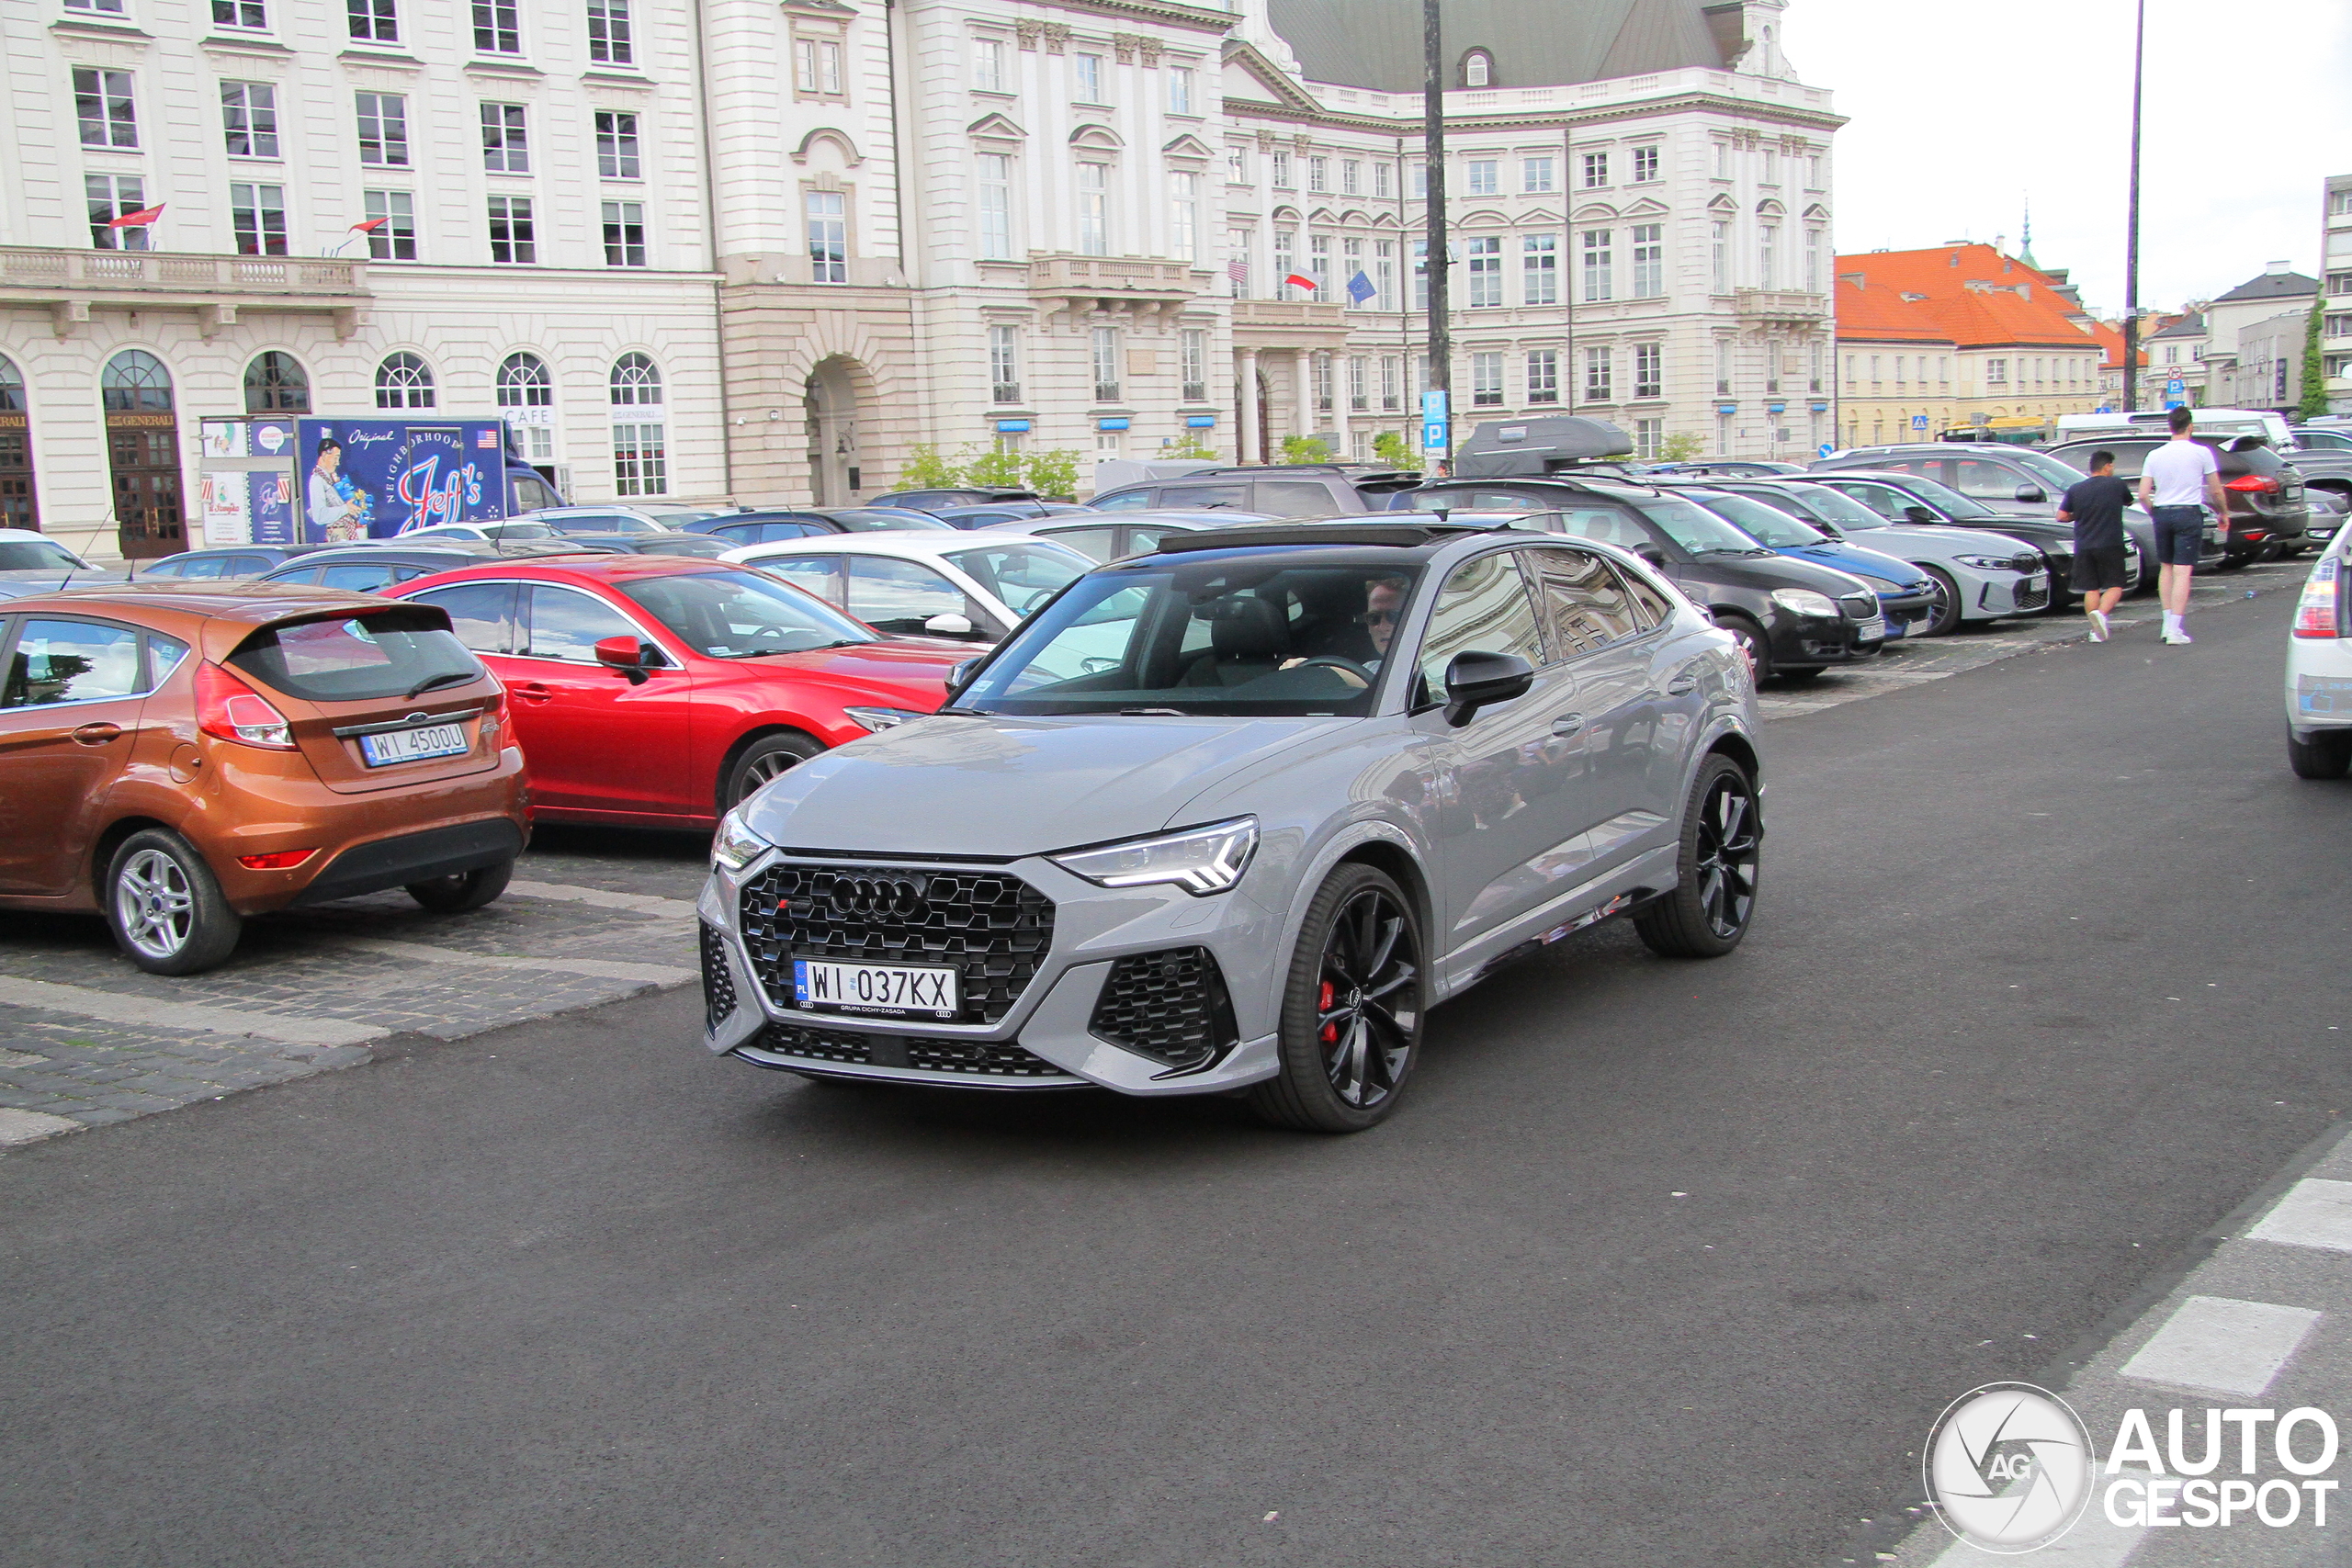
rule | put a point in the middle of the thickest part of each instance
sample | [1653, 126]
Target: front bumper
[1906, 613]
[1810, 642]
[1056, 1011]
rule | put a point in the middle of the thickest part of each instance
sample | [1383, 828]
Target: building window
[1420, 181]
[1381, 183]
[817, 67]
[1285, 261]
[1384, 275]
[1179, 90]
[1324, 372]
[1723, 160]
[1352, 268]
[1487, 380]
[1281, 170]
[1598, 369]
[1482, 176]
[497, 28]
[1106, 364]
[249, 119]
[624, 233]
[1318, 262]
[1719, 257]
[526, 395]
[1351, 177]
[1185, 215]
[257, 213]
[1599, 272]
[99, 8]
[1360, 384]
[1486, 258]
[111, 196]
[641, 458]
[1421, 275]
[1318, 173]
[1768, 242]
[1649, 439]
[1237, 166]
[1645, 165]
[1237, 261]
[383, 128]
[1649, 261]
[1391, 375]
[2339, 203]
[1094, 209]
[828, 213]
[1723, 368]
[1478, 69]
[394, 213]
[1534, 173]
[505, 144]
[1086, 78]
[617, 154]
[995, 171]
[1544, 375]
[610, 38]
[1996, 373]
[403, 381]
[1004, 365]
[1539, 269]
[102, 103]
[238, 14]
[274, 383]
[635, 382]
[1812, 261]
[513, 239]
[372, 21]
[988, 64]
[2339, 283]
[1649, 371]
[1813, 380]
[1596, 170]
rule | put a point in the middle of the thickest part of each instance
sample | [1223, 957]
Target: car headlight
[1805, 601]
[1989, 563]
[877, 719]
[1199, 860]
[735, 846]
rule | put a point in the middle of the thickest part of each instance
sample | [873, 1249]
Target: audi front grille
[965, 1058]
[717, 985]
[993, 928]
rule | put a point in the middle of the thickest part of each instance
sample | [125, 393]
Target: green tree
[1305, 449]
[998, 468]
[1193, 448]
[926, 469]
[1681, 447]
[1396, 452]
[2314, 402]
[1053, 474]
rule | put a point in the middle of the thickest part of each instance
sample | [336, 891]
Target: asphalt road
[2039, 989]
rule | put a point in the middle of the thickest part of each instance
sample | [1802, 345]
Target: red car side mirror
[627, 655]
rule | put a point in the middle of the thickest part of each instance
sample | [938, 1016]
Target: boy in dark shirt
[2094, 506]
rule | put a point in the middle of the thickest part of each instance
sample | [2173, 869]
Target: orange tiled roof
[1966, 295]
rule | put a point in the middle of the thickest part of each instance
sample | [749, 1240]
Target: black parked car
[997, 512]
[371, 568]
[2269, 512]
[1793, 619]
[224, 561]
[739, 528]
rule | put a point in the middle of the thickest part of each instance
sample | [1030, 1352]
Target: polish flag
[370, 225]
[1296, 281]
[138, 220]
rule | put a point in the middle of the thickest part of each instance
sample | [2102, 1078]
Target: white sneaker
[2099, 628]
[2179, 636]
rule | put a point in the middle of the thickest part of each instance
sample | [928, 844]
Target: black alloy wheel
[1945, 613]
[765, 760]
[1714, 897]
[1351, 1011]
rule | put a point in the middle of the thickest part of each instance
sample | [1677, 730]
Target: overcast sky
[1961, 114]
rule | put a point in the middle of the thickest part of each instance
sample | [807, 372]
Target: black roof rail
[1401, 536]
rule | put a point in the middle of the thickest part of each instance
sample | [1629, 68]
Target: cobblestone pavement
[593, 916]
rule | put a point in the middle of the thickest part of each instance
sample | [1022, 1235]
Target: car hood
[17, 584]
[1765, 572]
[1937, 541]
[900, 666]
[1861, 561]
[1011, 786]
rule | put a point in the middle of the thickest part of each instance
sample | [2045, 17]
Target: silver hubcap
[153, 904]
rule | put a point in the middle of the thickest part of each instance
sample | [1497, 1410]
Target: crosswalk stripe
[638, 903]
[599, 968]
[116, 1007]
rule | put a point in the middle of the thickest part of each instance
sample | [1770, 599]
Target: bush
[1396, 452]
[999, 468]
[2314, 402]
[926, 469]
[1053, 474]
[1193, 448]
[1305, 449]
[1681, 447]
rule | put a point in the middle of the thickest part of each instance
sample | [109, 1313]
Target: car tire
[2326, 755]
[2270, 551]
[1949, 609]
[1752, 642]
[466, 890]
[1347, 1046]
[164, 906]
[1713, 899]
[763, 760]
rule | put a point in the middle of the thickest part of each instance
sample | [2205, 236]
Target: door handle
[1682, 685]
[97, 734]
[532, 692]
[1567, 723]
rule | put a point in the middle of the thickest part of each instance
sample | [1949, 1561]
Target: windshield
[742, 615]
[2046, 468]
[1021, 577]
[1836, 506]
[37, 555]
[384, 653]
[1768, 523]
[877, 521]
[1695, 529]
[1252, 637]
[1950, 499]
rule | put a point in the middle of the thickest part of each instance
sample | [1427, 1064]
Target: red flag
[1296, 281]
[370, 225]
[137, 220]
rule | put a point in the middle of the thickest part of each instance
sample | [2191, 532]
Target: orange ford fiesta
[177, 756]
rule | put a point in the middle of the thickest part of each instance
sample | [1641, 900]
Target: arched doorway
[143, 451]
[18, 508]
[829, 403]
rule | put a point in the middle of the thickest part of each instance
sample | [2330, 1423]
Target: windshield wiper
[452, 677]
[1151, 712]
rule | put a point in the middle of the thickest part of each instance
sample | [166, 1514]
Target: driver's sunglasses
[1377, 618]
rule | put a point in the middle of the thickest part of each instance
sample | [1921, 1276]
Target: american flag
[1237, 269]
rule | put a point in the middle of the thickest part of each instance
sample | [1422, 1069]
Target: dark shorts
[2094, 569]
[2181, 534]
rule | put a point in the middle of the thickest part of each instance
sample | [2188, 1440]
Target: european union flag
[1359, 288]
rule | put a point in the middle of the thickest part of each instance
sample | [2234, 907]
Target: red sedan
[658, 692]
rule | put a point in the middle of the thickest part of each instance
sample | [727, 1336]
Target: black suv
[2269, 512]
[1284, 490]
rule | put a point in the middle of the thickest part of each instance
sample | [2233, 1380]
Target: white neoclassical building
[765, 248]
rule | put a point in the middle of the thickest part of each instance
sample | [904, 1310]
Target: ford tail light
[2318, 612]
[227, 709]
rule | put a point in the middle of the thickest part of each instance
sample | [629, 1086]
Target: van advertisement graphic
[371, 479]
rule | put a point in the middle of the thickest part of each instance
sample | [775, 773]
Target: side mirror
[961, 676]
[2032, 492]
[627, 655]
[1918, 514]
[949, 625]
[1651, 554]
[1476, 680]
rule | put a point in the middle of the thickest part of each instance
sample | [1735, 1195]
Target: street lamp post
[1433, 157]
[2131, 223]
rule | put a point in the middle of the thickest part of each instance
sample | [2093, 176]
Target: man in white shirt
[2178, 481]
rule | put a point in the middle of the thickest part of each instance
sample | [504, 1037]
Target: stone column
[1247, 427]
[1302, 363]
[1342, 388]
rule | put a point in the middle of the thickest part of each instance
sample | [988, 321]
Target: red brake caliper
[1323, 1004]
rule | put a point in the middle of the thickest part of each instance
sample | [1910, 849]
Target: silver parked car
[1315, 779]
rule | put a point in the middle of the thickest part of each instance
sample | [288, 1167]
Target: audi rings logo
[875, 897]
[2009, 1467]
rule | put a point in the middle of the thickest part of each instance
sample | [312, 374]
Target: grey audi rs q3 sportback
[1236, 814]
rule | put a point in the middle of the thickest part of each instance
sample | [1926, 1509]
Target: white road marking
[639, 903]
[31, 1126]
[2315, 1212]
[602, 969]
[2221, 1346]
[116, 1007]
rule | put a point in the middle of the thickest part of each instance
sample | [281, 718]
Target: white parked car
[975, 587]
[2319, 668]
